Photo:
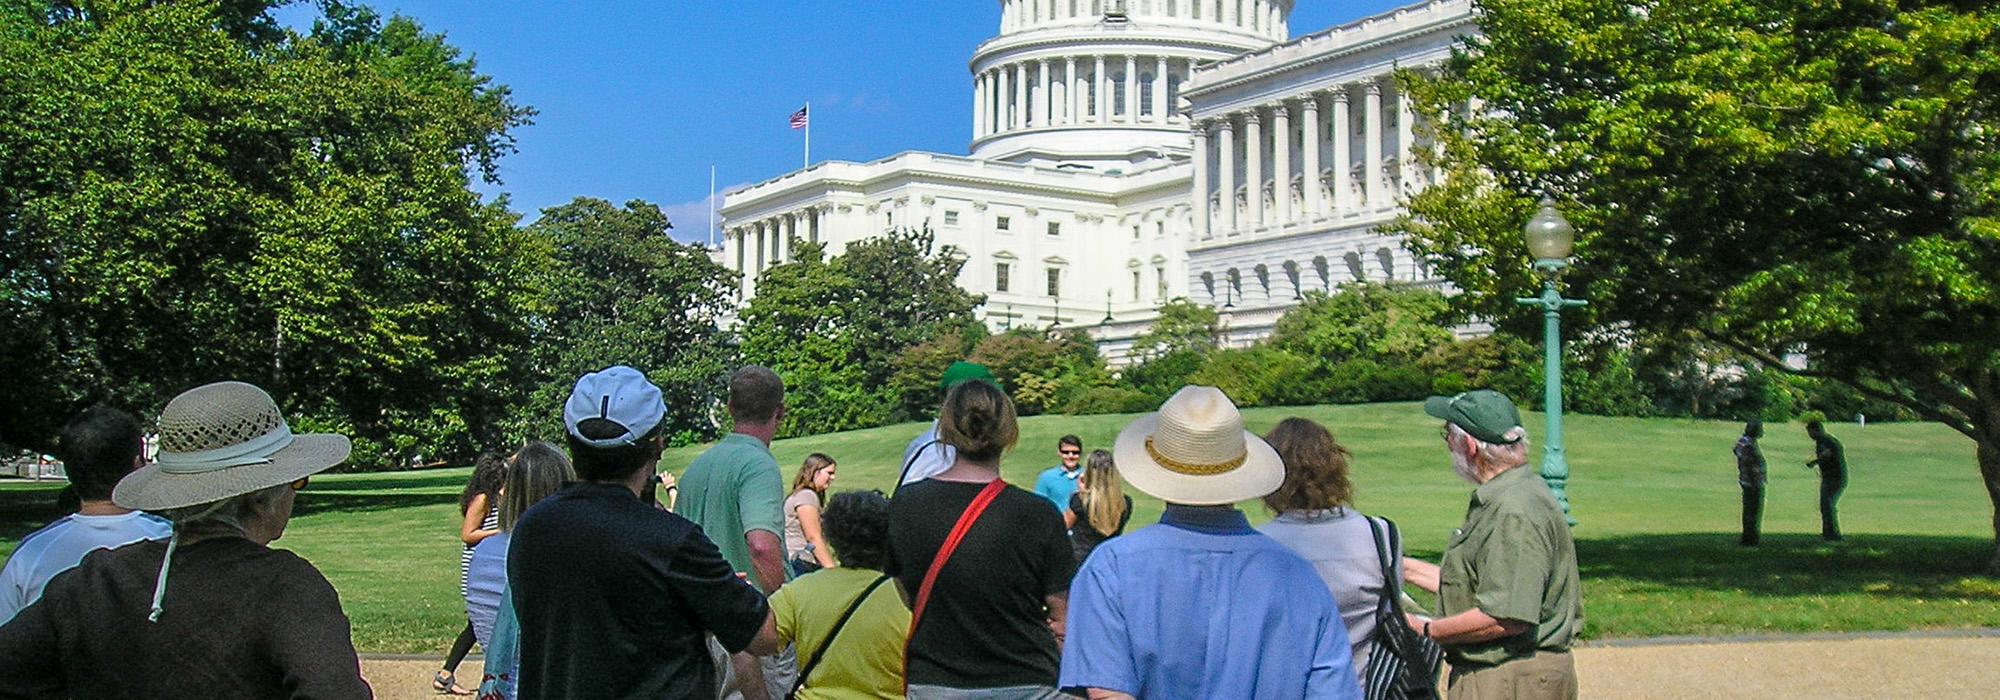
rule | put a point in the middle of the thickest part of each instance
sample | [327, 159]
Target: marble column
[1309, 152]
[762, 234]
[1253, 166]
[1227, 164]
[1199, 130]
[1406, 162]
[978, 99]
[1160, 91]
[1371, 150]
[1131, 89]
[1044, 106]
[1021, 106]
[1343, 157]
[1102, 91]
[1069, 90]
[1281, 161]
[1002, 119]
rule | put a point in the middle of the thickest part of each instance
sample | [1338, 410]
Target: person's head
[535, 472]
[1104, 492]
[259, 515]
[1483, 432]
[98, 447]
[1315, 468]
[756, 396]
[815, 474]
[613, 420]
[1069, 448]
[977, 419]
[857, 527]
[488, 473]
[1195, 452]
[1753, 429]
[1815, 429]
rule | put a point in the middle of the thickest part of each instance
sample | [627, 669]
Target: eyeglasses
[300, 485]
[1071, 453]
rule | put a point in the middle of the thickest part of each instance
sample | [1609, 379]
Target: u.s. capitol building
[1126, 153]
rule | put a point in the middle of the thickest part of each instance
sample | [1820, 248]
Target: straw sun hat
[221, 440]
[1194, 451]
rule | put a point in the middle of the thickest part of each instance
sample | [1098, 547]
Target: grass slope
[1656, 500]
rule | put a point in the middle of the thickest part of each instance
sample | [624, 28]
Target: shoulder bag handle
[958, 530]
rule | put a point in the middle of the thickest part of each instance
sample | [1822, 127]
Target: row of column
[1024, 94]
[766, 242]
[1237, 144]
[1254, 15]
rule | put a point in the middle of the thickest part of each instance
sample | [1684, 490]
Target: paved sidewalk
[1931, 665]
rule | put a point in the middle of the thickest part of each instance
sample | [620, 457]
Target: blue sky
[638, 99]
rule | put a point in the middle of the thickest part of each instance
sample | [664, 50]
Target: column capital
[1227, 125]
[1199, 127]
[1374, 89]
[1253, 116]
[1339, 94]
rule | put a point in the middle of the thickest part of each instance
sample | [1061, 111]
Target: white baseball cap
[618, 394]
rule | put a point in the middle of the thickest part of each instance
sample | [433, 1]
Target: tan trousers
[1548, 675]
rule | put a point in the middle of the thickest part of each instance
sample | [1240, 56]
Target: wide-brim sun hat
[1194, 451]
[221, 440]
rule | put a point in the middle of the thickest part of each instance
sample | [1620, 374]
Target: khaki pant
[1548, 675]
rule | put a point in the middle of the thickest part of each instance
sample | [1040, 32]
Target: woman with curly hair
[861, 657]
[479, 518]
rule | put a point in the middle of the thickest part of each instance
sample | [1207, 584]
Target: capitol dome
[1096, 83]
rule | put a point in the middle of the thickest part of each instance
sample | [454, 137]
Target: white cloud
[690, 219]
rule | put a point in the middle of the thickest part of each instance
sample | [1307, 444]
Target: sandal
[447, 684]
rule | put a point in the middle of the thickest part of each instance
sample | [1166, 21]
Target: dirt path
[1809, 668]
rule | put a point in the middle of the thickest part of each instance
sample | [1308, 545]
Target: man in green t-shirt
[735, 492]
[1508, 593]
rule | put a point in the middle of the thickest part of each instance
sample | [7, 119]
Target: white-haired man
[1508, 594]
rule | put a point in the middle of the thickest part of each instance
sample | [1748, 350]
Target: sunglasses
[1071, 453]
[300, 485]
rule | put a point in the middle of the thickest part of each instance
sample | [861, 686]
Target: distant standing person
[735, 492]
[535, 472]
[1099, 509]
[99, 446]
[986, 617]
[1750, 475]
[1831, 461]
[479, 518]
[1058, 483]
[1508, 588]
[805, 536]
[926, 456]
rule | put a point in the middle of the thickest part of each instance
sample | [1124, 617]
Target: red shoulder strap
[958, 530]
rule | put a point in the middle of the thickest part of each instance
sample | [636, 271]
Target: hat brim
[1438, 407]
[1261, 473]
[151, 488]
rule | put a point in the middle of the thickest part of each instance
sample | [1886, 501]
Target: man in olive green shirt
[735, 492]
[1508, 591]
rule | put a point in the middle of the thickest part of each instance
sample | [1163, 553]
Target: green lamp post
[1550, 238]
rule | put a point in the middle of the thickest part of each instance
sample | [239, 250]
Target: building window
[1135, 285]
[1135, 233]
[1055, 281]
[950, 217]
[1003, 223]
[1055, 228]
[1000, 276]
[1160, 229]
[1160, 273]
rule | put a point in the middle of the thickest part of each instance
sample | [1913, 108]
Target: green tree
[189, 192]
[623, 291]
[1781, 176]
[1181, 325]
[1365, 321]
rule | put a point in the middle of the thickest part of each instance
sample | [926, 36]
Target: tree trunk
[1989, 468]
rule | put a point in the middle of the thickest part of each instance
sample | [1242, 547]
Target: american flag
[801, 118]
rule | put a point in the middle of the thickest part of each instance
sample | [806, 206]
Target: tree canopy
[1780, 176]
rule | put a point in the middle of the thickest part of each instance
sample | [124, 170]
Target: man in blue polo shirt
[1058, 483]
[1202, 606]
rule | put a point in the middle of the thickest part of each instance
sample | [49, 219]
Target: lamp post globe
[1550, 237]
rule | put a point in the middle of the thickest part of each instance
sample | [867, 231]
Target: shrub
[1162, 375]
[1111, 399]
[1364, 381]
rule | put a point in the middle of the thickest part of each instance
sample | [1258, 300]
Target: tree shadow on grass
[400, 481]
[310, 503]
[26, 510]
[1908, 566]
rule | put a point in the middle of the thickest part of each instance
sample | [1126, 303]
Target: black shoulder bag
[819, 656]
[1402, 664]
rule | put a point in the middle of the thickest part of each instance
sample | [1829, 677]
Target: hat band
[256, 451]
[1191, 468]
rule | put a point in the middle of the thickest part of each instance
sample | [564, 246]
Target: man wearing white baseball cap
[614, 596]
[1202, 606]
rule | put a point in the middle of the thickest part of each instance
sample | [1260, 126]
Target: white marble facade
[1125, 153]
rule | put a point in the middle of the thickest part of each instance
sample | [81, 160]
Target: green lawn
[1656, 499]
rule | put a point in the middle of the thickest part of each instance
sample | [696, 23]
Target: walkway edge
[1689, 640]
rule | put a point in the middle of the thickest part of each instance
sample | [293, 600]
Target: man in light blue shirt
[1202, 605]
[1058, 483]
[98, 447]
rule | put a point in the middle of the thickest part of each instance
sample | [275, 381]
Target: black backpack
[1402, 664]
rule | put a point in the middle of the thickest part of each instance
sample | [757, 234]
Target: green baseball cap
[962, 371]
[1485, 414]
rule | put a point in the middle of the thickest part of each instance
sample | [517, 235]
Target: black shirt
[613, 597]
[1085, 537]
[985, 625]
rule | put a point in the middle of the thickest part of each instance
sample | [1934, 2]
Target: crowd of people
[581, 581]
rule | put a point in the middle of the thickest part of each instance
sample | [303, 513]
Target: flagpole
[809, 133]
[711, 206]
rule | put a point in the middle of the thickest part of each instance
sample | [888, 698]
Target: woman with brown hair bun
[985, 566]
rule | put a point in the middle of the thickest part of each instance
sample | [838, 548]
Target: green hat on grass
[1485, 414]
[962, 371]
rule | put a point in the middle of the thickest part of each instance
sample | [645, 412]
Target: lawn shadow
[23, 511]
[392, 481]
[1907, 566]
[344, 501]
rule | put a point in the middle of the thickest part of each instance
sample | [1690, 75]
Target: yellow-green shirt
[1513, 559]
[866, 659]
